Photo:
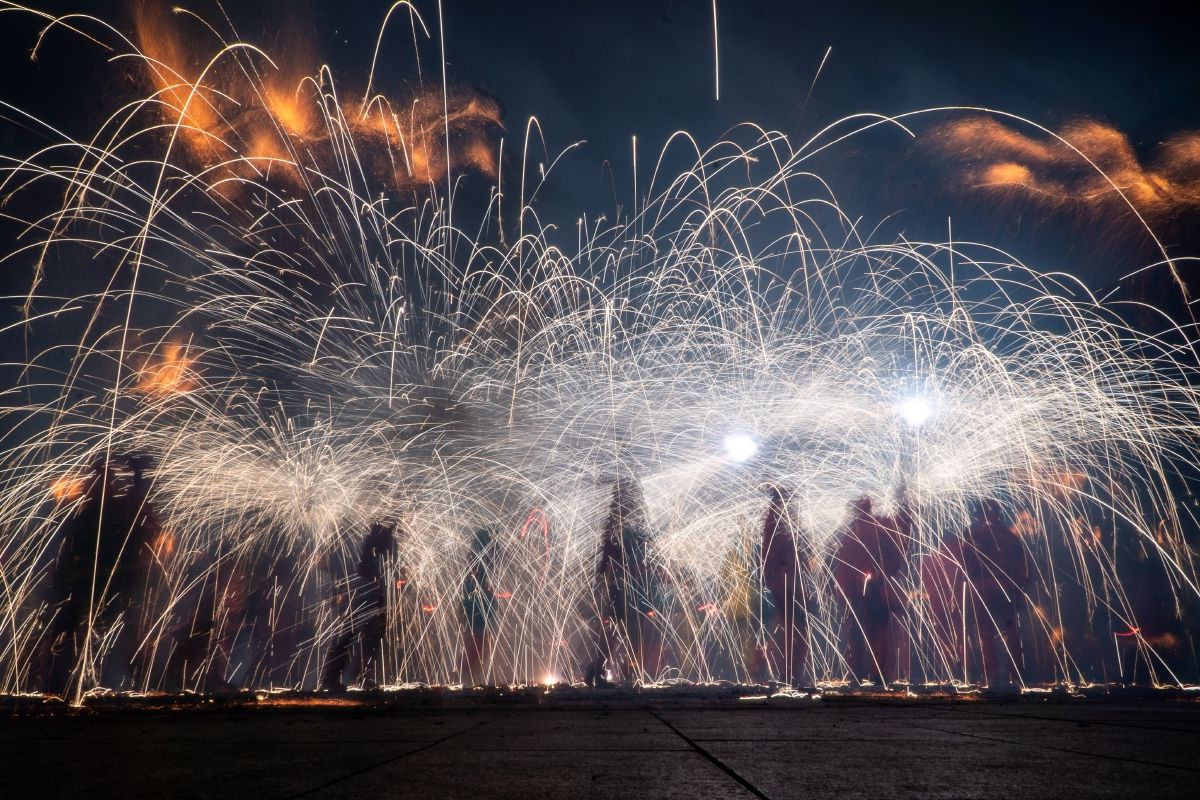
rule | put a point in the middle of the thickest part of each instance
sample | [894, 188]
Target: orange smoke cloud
[171, 69]
[173, 374]
[246, 127]
[419, 133]
[1000, 158]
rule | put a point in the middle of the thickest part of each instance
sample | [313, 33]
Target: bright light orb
[915, 410]
[740, 446]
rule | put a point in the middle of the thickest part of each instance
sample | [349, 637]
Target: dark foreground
[606, 745]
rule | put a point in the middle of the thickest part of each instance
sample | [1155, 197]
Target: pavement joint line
[1104, 756]
[772, 740]
[386, 761]
[718, 763]
[1040, 718]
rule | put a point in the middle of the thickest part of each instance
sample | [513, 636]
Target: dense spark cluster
[290, 343]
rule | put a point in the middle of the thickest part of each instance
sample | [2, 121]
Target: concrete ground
[576, 744]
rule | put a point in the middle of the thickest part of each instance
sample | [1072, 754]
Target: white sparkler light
[740, 446]
[915, 410]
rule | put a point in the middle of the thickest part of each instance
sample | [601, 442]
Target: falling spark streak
[716, 56]
[353, 357]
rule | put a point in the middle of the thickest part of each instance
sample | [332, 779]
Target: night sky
[600, 73]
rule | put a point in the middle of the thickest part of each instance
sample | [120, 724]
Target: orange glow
[168, 67]
[429, 608]
[229, 123]
[1070, 481]
[1006, 173]
[172, 375]
[418, 136]
[1000, 157]
[164, 544]
[481, 156]
[68, 488]
[293, 113]
[1164, 641]
[265, 144]
[419, 168]
[1025, 524]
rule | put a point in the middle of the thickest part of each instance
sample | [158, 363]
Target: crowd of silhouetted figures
[977, 604]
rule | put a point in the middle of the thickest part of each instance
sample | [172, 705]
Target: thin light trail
[314, 340]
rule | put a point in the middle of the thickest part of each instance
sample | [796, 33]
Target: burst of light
[740, 446]
[915, 410]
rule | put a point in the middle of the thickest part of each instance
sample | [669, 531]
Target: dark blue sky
[605, 71]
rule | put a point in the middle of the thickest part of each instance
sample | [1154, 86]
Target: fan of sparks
[291, 330]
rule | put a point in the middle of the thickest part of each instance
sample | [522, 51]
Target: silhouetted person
[943, 585]
[743, 604]
[85, 561]
[868, 565]
[203, 629]
[365, 615]
[136, 521]
[276, 619]
[628, 584]
[596, 673]
[994, 562]
[1147, 624]
[786, 576]
[1068, 635]
[479, 608]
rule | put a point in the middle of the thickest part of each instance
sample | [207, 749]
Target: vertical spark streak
[716, 55]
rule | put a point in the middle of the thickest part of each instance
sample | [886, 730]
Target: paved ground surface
[607, 746]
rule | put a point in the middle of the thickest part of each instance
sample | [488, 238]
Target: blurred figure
[88, 594]
[133, 562]
[364, 618]
[203, 629]
[868, 568]
[479, 609]
[943, 589]
[1147, 625]
[629, 588]
[787, 579]
[996, 574]
[277, 619]
[1068, 635]
[743, 604]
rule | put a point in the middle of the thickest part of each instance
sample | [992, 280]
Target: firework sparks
[365, 362]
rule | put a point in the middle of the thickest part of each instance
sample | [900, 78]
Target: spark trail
[289, 342]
